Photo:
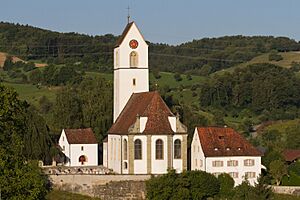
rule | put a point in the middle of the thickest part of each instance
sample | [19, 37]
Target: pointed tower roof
[124, 34]
[145, 104]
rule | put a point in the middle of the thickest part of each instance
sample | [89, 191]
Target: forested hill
[95, 52]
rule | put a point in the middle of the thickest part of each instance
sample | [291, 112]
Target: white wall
[140, 166]
[177, 163]
[89, 150]
[105, 164]
[124, 170]
[114, 152]
[124, 75]
[197, 155]
[159, 166]
[64, 144]
[172, 121]
[241, 169]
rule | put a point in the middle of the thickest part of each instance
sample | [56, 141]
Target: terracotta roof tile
[219, 141]
[145, 104]
[291, 154]
[80, 136]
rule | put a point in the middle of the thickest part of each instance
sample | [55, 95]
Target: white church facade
[146, 137]
[222, 150]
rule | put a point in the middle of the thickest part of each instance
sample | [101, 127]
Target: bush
[177, 77]
[226, 185]
[275, 57]
[188, 185]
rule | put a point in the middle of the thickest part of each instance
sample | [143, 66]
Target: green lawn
[31, 93]
[61, 195]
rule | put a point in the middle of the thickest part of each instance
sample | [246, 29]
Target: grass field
[31, 93]
[288, 58]
[282, 126]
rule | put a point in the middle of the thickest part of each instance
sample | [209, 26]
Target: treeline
[262, 89]
[95, 52]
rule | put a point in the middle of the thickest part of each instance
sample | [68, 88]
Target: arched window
[159, 149]
[177, 149]
[125, 149]
[133, 59]
[137, 149]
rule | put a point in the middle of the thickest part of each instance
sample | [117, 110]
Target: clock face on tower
[133, 44]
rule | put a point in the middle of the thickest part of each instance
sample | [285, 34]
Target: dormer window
[221, 137]
[239, 148]
[216, 148]
[227, 148]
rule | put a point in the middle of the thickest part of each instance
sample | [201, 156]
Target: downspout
[121, 152]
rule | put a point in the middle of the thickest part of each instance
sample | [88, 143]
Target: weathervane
[128, 15]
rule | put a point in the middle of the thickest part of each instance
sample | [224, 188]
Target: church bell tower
[130, 67]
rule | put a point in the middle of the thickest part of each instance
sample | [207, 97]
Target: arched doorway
[82, 159]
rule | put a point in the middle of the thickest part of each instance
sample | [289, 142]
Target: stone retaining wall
[294, 190]
[106, 187]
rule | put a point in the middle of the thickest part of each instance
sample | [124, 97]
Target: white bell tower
[130, 67]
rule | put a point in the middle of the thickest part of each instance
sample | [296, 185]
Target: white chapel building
[79, 146]
[146, 137]
[222, 150]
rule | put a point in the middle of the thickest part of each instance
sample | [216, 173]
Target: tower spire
[128, 14]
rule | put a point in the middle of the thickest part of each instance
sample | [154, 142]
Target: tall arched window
[133, 57]
[137, 149]
[159, 149]
[125, 149]
[177, 149]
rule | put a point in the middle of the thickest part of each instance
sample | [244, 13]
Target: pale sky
[162, 21]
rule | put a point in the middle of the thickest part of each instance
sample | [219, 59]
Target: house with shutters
[146, 137]
[79, 146]
[222, 150]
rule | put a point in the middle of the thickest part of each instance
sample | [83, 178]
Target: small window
[125, 165]
[234, 174]
[138, 149]
[249, 162]
[63, 148]
[159, 145]
[63, 138]
[196, 162]
[81, 148]
[125, 149]
[217, 163]
[216, 149]
[133, 59]
[232, 163]
[133, 82]
[250, 175]
[177, 149]
[227, 148]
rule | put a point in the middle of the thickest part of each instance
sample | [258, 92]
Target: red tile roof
[145, 104]
[291, 154]
[80, 136]
[219, 141]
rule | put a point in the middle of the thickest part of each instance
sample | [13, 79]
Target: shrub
[226, 185]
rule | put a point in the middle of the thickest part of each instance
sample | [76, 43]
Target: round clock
[133, 44]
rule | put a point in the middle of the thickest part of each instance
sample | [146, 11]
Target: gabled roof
[126, 30]
[291, 154]
[121, 38]
[80, 136]
[219, 141]
[145, 104]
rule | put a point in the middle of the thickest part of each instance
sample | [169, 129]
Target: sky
[160, 21]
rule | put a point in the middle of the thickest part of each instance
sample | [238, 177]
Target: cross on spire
[128, 14]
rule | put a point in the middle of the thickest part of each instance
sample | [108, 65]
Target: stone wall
[294, 190]
[106, 187]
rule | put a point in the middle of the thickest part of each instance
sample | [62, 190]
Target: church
[146, 137]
